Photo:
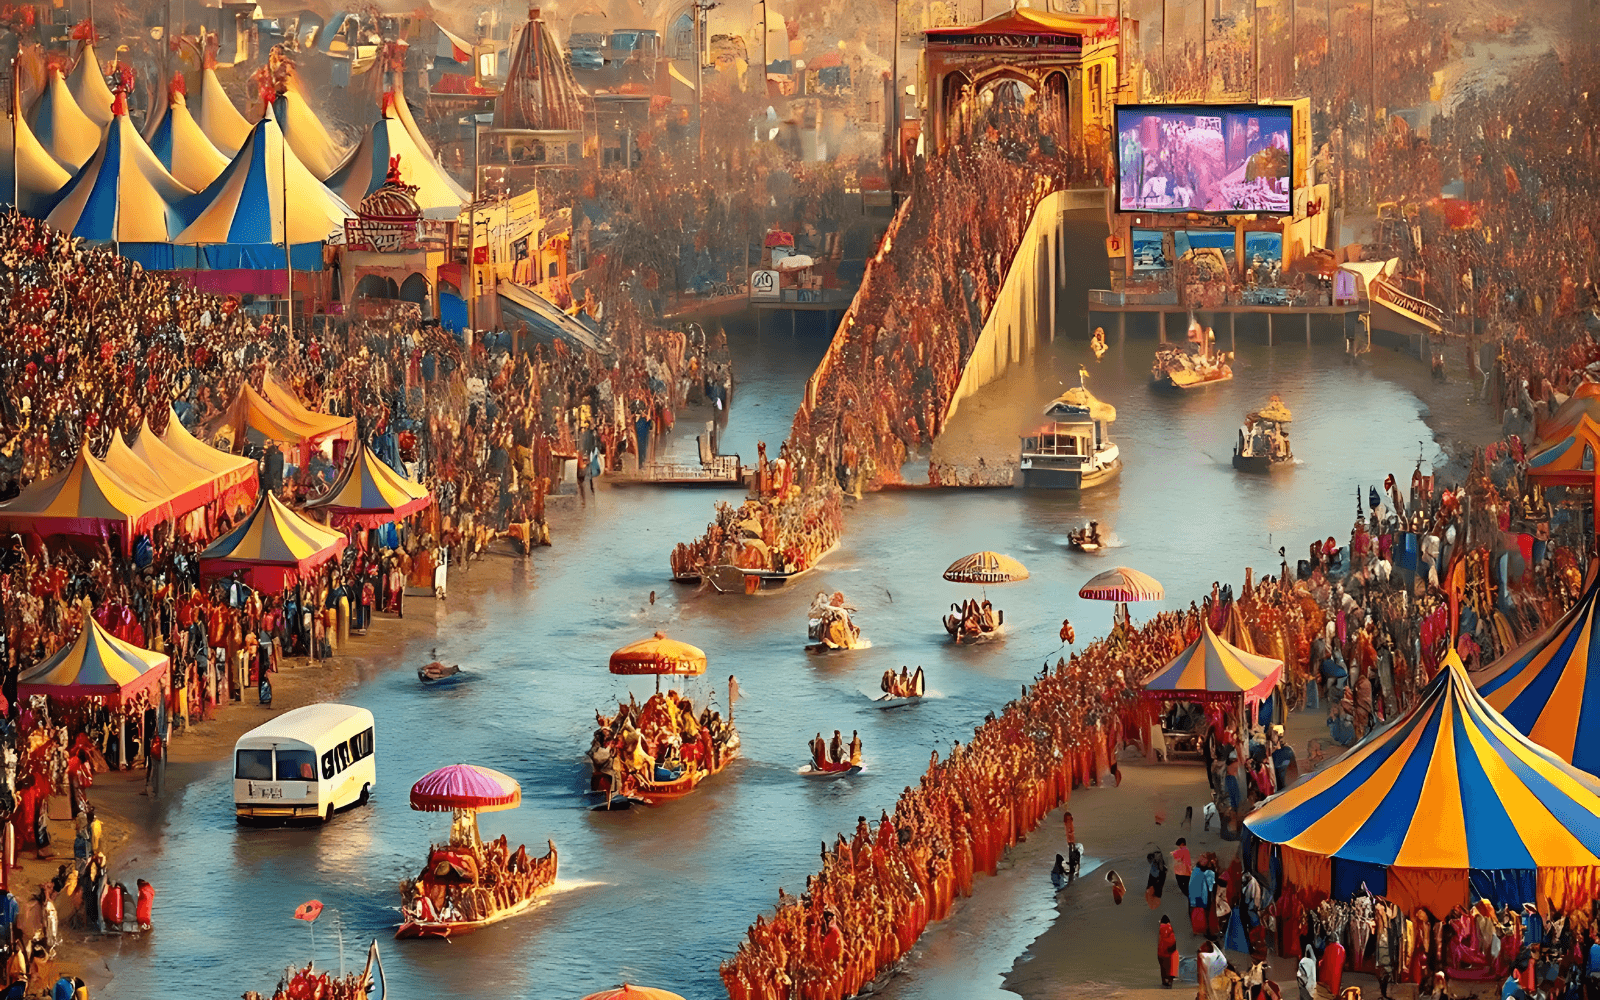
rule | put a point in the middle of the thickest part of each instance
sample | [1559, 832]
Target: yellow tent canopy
[97, 664]
[369, 493]
[272, 546]
[87, 498]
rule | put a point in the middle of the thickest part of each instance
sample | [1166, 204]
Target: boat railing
[722, 467]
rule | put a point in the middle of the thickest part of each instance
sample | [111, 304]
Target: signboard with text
[764, 286]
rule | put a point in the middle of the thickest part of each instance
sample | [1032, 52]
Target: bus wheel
[328, 816]
[366, 793]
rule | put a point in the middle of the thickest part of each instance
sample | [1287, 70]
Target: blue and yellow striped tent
[1212, 670]
[99, 665]
[272, 547]
[1450, 787]
[1547, 689]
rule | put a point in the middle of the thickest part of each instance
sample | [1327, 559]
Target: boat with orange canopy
[659, 751]
[468, 884]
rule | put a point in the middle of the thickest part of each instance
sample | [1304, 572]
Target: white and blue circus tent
[88, 86]
[61, 126]
[365, 171]
[310, 141]
[238, 220]
[217, 117]
[39, 176]
[124, 195]
[183, 148]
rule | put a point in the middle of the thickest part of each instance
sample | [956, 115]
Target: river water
[660, 896]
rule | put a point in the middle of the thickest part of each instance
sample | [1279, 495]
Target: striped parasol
[465, 786]
[986, 567]
[1124, 586]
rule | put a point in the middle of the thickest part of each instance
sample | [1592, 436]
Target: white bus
[305, 764]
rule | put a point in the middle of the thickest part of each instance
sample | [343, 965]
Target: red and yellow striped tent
[272, 547]
[99, 665]
[232, 471]
[369, 493]
[86, 499]
[326, 424]
[189, 482]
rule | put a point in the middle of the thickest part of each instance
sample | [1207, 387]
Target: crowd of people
[467, 880]
[658, 743]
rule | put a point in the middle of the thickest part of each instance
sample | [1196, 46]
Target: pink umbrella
[465, 786]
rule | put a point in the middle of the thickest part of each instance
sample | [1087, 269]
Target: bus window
[341, 757]
[327, 764]
[361, 746]
[297, 765]
[255, 765]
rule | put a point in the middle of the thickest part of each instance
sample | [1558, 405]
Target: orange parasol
[986, 567]
[1123, 585]
[659, 655]
[626, 992]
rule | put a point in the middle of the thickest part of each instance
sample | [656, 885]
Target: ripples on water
[661, 896]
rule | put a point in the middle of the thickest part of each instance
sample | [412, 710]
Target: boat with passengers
[662, 750]
[1178, 368]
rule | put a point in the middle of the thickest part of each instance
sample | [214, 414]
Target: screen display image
[1148, 253]
[1263, 248]
[1220, 240]
[1198, 158]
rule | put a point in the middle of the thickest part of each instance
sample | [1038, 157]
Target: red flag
[308, 911]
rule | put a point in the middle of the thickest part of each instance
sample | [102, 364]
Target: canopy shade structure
[99, 665]
[1450, 785]
[309, 141]
[285, 401]
[402, 111]
[272, 545]
[183, 148]
[88, 87]
[659, 655]
[39, 176]
[1584, 401]
[217, 117]
[626, 992]
[545, 320]
[192, 486]
[1549, 687]
[367, 168]
[123, 194]
[183, 486]
[239, 217]
[61, 126]
[1082, 399]
[85, 499]
[540, 91]
[465, 786]
[986, 567]
[1123, 585]
[1212, 670]
[369, 493]
[230, 470]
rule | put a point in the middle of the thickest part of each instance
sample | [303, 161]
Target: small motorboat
[1177, 368]
[435, 673]
[1086, 538]
[829, 626]
[830, 770]
[1264, 439]
[900, 689]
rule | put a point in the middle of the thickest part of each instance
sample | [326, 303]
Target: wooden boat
[1263, 444]
[354, 985]
[830, 770]
[829, 626]
[917, 686]
[638, 791]
[456, 869]
[1085, 539]
[891, 701]
[1177, 368]
[971, 631]
[738, 580]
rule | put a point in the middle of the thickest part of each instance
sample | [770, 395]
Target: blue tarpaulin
[452, 312]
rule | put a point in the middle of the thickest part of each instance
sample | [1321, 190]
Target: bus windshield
[254, 765]
[297, 765]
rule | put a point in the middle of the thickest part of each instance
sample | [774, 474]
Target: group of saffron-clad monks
[657, 742]
[835, 754]
[879, 889]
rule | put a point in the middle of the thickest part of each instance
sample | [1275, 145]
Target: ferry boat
[1264, 439]
[1178, 368]
[1074, 450]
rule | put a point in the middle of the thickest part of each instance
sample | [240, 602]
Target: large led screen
[1226, 159]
